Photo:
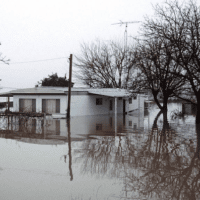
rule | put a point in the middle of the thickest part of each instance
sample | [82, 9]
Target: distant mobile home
[84, 101]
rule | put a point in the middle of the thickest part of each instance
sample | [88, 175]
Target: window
[99, 101]
[27, 105]
[98, 127]
[119, 98]
[51, 106]
[135, 97]
[130, 100]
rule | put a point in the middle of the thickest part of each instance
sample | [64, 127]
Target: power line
[36, 61]
[2, 87]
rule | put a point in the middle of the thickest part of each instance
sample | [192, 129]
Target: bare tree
[157, 71]
[104, 64]
[179, 24]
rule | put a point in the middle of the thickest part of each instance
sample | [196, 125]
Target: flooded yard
[136, 156]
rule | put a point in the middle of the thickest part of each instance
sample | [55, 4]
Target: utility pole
[69, 149]
[69, 87]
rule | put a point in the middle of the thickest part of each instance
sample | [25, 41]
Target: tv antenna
[125, 33]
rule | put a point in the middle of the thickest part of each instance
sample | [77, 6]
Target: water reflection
[57, 129]
[155, 165]
[32, 130]
[69, 148]
[151, 156]
[169, 168]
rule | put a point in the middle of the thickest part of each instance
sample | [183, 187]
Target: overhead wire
[11, 63]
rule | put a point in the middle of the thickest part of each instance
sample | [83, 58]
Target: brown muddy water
[137, 156]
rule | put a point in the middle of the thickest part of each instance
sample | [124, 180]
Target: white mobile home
[84, 101]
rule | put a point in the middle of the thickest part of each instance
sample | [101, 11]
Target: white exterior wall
[141, 104]
[86, 105]
[136, 103]
[83, 104]
[63, 103]
[80, 104]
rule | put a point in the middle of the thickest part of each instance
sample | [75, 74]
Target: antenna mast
[125, 33]
[125, 36]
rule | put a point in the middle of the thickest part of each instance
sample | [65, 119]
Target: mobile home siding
[37, 102]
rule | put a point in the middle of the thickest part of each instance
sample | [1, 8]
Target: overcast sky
[35, 30]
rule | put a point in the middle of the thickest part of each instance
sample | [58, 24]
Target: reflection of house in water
[81, 126]
[32, 130]
[105, 124]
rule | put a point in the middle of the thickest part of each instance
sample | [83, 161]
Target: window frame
[57, 105]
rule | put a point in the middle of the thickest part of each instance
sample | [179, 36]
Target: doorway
[124, 105]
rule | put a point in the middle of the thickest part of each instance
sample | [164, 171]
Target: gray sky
[33, 30]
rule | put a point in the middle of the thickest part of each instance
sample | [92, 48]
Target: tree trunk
[165, 100]
[198, 113]
[198, 108]
[155, 95]
[198, 140]
[165, 121]
[156, 119]
[120, 83]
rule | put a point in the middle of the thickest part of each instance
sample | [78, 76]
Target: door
[111, 105]
[124, 105]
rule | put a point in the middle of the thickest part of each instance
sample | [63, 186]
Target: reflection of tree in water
[161, 166]
[103, 156]
[168, 169]
[97, 155]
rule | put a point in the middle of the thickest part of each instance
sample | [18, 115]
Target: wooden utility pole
[70, 149]
[68, 117]
[8, 103]
[69, 87]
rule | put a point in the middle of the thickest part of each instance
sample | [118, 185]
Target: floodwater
[137, 156]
